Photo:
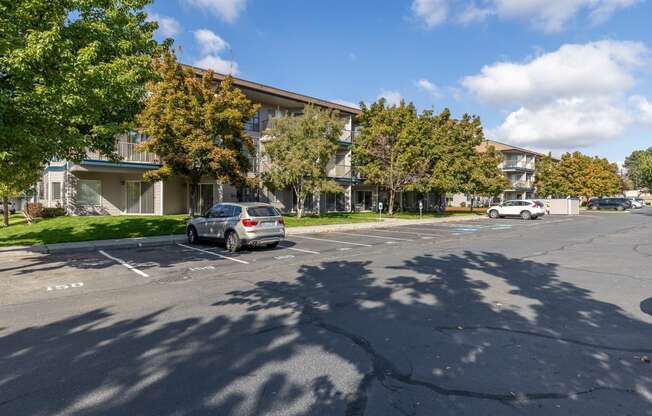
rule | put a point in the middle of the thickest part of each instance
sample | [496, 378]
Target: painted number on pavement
[64, 287]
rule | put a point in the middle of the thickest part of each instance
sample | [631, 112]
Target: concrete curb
[165, 240]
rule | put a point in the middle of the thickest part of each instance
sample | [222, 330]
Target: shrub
[34, 209]
[52, 212]
[463, 204]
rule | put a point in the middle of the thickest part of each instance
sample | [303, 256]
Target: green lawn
[73, 229]
[353, 217]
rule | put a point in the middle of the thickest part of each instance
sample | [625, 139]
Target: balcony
[525, 185]
[339, 171]
[518, 165]
[128, 153]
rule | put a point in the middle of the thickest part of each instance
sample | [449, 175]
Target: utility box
[568, 206]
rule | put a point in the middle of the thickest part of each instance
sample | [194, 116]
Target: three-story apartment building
[98, 185]
[519, 167]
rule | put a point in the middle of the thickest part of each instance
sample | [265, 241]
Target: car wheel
[620, 208]
[493, 214]
[272, 245]
[526, 215]
[594, 207]
[192, 235]
[233, 243]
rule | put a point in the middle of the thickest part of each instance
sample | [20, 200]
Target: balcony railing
[522, 185]
[518, 165]
[127, 152]
[339, 171]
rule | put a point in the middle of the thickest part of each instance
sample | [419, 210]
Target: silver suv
[239, 224]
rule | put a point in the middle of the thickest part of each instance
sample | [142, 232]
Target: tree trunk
[472, 201]
[193, 199]
[5, 211]
[300, 199]
[390, 208]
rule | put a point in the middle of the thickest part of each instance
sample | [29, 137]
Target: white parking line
[332, 241]
[213, 254]
[124, 263]
[375, 236]
[405, 232]
[301, 250]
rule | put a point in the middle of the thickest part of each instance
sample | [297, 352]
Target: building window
[254, 123]
[56, 191]
[135, 137]
[89, 192]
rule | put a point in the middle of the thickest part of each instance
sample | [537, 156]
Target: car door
[511, 208]
[216, 222]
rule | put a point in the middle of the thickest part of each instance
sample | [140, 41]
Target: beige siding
[175, 198]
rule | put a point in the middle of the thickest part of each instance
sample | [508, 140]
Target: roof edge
[256, 86]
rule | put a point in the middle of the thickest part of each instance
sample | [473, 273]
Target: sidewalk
[165, 240]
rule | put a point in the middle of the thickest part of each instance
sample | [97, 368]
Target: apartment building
[98, 185]
[518, 166]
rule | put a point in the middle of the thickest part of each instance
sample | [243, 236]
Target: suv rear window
[262, 212]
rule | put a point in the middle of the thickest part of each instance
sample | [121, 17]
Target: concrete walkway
[173, 239]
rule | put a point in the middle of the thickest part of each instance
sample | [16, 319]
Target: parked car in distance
[637, 203]
[619, 204]
[524, 208]
[238, 225]
[12, 208]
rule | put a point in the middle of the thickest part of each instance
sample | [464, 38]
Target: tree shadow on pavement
[476, 333]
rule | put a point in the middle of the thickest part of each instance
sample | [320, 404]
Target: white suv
[524, 208]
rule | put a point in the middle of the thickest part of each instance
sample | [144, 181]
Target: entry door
[133, 197]
[140, 197]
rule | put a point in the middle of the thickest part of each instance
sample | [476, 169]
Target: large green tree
[72, 74]
[195, 127]
[387, 148]
[548, 182]
[300, 149]
[17, 176]
[646, 172]
[449, 156]
[633, 164]
[486, 178]
[579, 175]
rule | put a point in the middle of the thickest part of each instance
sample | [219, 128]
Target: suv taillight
[281, 221]
[249, 223]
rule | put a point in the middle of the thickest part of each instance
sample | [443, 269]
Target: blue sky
[553, 75]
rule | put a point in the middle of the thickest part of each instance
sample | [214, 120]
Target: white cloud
[209, 42]
[564, 123]
[227, 10]
[553, 15]
[546, 15]
[432, 12]
[167, 26]
[574, 96]
[392, 97]
[429, 87]
[473, 13]
[345, 102]
[642, 108]
[217, 64]
[211, 45]
[596, 68]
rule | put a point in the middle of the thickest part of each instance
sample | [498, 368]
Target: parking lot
[486, 317]
[45, 276]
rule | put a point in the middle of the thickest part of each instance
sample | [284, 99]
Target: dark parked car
[619, 204]
[12, 208]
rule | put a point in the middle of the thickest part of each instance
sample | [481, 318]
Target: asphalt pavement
[544, 317]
